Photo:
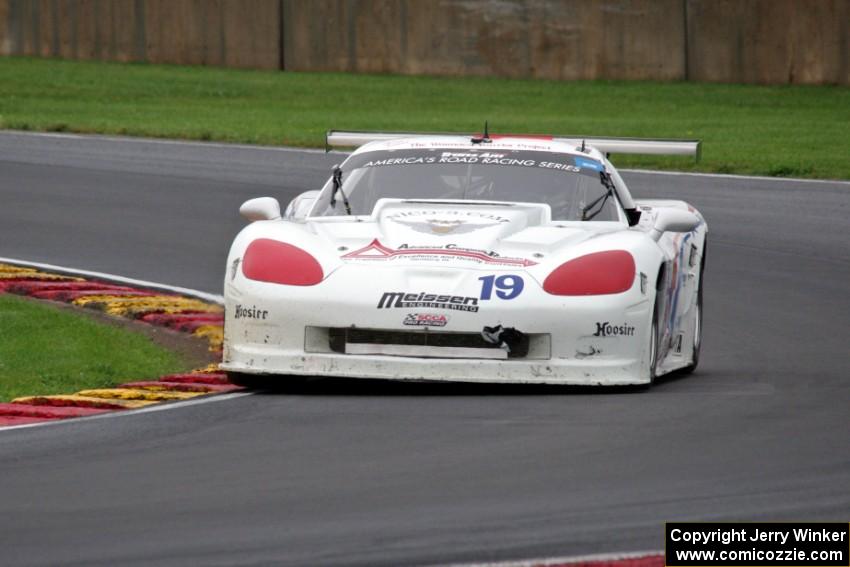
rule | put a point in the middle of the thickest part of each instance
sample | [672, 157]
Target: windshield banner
[510, 158]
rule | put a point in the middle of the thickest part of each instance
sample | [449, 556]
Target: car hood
[454, 233]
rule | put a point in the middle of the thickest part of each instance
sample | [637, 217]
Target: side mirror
[300, 205]
[261, 208]
[673, 220]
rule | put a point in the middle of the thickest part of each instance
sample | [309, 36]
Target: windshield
[575, 187]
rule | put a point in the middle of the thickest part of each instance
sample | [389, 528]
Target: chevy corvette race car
[473, 258]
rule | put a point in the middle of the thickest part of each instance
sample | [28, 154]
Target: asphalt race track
[375, 474]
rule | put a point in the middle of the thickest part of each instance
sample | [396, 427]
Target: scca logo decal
[425, 320]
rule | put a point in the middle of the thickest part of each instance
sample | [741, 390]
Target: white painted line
[734, 176]
[162, 406]
[547, 561]
[117, 279]
[141, 140]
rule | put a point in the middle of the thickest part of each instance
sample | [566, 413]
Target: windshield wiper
[606, 181]
[337, 181]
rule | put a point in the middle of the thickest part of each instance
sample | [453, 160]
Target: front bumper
[269, 330]
[264, 360]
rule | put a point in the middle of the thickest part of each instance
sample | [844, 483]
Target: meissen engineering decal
[376, 251]
[497, 288]
[402, 300]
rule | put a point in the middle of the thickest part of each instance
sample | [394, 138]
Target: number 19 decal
[507, 287]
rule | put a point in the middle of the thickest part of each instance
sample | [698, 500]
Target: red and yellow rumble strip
[186, 314]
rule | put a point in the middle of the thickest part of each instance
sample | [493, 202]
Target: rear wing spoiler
[647, 146]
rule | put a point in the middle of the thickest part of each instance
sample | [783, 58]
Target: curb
[191, 315]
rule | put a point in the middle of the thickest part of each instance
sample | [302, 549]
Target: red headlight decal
[272, 261]
[600, 273]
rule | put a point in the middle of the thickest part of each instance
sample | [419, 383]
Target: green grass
[799, 131]
[45, 350]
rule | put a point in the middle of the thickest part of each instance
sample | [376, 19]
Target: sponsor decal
[375, 251]
[422, 300]
[606, 329]
[502, 287]
[425, 320]
[560, 166]
[399, 161]
[482, 155]
[522, 154]
[488, 161]
[252, 312]
[588, 164]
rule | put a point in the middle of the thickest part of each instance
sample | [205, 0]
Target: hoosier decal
[252, 312]
[606, 329]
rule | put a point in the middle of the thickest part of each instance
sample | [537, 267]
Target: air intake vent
[455, 344]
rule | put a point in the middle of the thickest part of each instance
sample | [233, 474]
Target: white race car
[469, 258]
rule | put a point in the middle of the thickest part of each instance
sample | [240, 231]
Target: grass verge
[797, 131]
[45, 350]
